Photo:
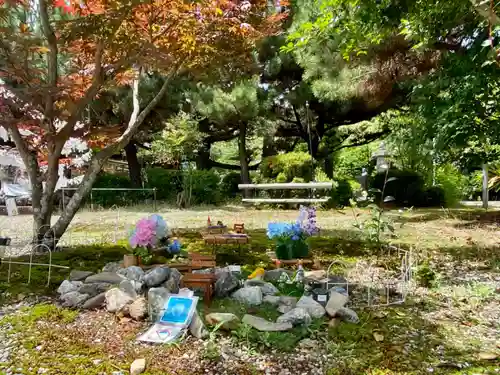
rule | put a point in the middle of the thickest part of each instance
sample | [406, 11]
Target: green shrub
[453, 183]
[204, 186]
[108, 198]
[229, 185]
[407, 187]
[340, 194]
[168, 182]
[287, 166]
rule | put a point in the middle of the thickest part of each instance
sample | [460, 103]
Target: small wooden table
[226, 239]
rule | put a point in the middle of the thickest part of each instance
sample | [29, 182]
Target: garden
[249, 187]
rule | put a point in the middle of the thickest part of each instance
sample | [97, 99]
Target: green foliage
[375, 226]
[229, 185]
[425, 276]
[453, 184]
[286, 167]
[180, 139]
[168, 182]
[341, 194]
[406, 187]
[204, 186]
[349, 162]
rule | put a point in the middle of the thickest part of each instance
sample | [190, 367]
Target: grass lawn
[450, 326]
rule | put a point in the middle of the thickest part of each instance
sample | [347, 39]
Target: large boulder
[251, 295]
[131, 273]
[226, 284]
[76, 275]
[69, 286]
[94, 289]
[264, 325]
[156, 276]
[129, 288]
[112, 267]
[228, 321]
[74, 299]
[335, 303]
[157, 297]
[173, 282]
[197, 327]
[105, 277]
[295, 316]
[314, 309]
[95, 302]
[268, 289]
[116, 300]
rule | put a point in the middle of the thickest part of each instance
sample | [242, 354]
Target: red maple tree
[55, 58]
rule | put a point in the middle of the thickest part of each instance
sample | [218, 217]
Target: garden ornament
[258, 274]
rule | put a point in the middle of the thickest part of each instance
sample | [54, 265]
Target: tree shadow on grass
[396, 340]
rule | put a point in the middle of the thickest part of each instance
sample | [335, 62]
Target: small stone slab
[229, 321]
[76, 275]
[251, 295]
[105, 277]
[264, 325]
[295, 316]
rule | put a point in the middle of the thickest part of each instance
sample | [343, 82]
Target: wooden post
[485, 186]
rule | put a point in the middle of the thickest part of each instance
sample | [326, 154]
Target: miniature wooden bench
[201, 280]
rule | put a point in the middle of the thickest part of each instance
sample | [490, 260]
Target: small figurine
[220, 224]
[209, 223]
[299, 276]
[258, 274]
[175, 246]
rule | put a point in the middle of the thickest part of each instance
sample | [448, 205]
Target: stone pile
[137, 293]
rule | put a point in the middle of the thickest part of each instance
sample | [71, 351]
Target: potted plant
[291, 238]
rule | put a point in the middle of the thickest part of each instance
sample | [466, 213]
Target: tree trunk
[203, 161]
[134, 167]
[242, 150]
[485, 186]
[329, 164]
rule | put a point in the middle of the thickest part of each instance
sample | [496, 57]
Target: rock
[74, 299]
[267, 288]
[308, 344]
[314, 309]
[175, 274]
[348, 315]
[95, 288]
[138, 286]
[273, 300]
[284, 308]
[138, 366]
[197, 327]
[131, 273]
[116, 300]
[335, 303]
[230, 321]
[95, 302]
[172, 285]
[129, 288]
[156, 276]
[76, 275]
[264, 325]
[69, 286]
[138, 309]
[339, 290]
[251, 295]
[315, 275]
[334, 323]
[156, 302]
[274, 275]
[288, 301]
[112, 267]
[295, 316]
[226, 284]
[105, 277]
